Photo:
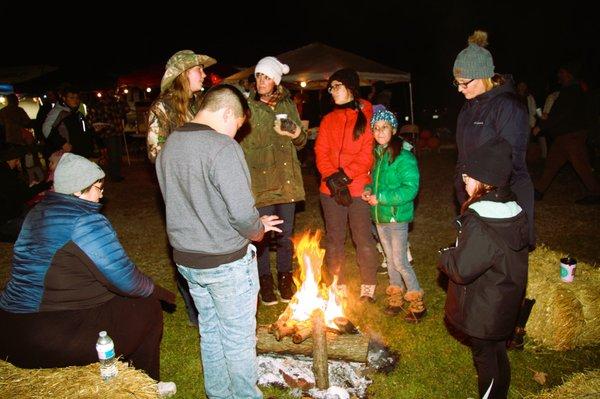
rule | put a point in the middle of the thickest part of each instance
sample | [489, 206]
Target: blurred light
[406, 118]
[99, 95]
[2, 100]
[148, 90]
[125, 91]
[435, 116]
[45, 96]
[303, 84]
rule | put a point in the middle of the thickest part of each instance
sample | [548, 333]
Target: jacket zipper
[376, 188]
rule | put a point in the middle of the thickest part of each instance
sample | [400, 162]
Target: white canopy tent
[311, 66]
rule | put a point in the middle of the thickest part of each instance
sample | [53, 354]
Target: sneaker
[367, 293]
[589, 200]
[166, 389]
[286, 286]
[267, 296]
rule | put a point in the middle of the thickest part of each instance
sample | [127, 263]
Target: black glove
[288, 125]
[337, 184]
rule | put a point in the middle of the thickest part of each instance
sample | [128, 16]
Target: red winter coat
[355, 157]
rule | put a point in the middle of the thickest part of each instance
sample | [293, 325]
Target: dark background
[528, 39]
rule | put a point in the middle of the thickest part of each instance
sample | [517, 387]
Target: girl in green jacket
[394, 187]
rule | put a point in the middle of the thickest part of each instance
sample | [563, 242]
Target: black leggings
[491, 362]
[68, 338]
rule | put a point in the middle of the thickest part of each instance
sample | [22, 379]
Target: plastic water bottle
[106, 355]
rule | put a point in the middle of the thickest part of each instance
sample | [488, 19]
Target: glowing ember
[312, 292]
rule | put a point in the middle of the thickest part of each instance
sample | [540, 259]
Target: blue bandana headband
[384, 115]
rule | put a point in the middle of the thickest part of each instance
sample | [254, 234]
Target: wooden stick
[349, 347]
[320, 368]
[303, 331]
[285, 330]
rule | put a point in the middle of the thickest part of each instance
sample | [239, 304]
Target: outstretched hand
[270, 221]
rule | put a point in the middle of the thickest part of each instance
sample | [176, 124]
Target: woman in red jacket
[344, 153]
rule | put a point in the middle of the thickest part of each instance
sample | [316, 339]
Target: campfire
[312, 295]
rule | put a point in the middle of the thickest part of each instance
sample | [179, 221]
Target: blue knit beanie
[384, 115]
[474, 62]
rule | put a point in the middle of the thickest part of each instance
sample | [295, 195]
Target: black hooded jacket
[497, 113]
[487, 269]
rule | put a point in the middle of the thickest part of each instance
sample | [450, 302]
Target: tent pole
[412, 112]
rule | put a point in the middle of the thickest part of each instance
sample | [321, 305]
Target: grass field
[432, 364]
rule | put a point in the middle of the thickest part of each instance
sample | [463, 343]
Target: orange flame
[312, 293]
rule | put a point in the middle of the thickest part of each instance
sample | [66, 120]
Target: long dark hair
[394, 148]
[481, 189]
[361, 119]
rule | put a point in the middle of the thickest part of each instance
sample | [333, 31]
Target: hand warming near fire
[270, 221]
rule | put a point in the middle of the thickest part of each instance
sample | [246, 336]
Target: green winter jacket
[272, 160]
[395, 186]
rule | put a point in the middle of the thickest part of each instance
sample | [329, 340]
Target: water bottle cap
[103, 333]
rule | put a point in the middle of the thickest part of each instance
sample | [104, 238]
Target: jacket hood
[513, 230]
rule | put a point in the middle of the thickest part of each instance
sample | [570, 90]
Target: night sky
[528, 39]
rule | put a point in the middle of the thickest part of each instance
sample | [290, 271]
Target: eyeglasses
[334, 87]
[101, 189]
[464, 85]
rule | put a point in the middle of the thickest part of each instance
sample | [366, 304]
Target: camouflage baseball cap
[181, 61]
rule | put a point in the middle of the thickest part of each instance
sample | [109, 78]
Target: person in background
[176, 105]
[15, 193]
[391, 195]
[66, 128]
[71, 278]
[492, 110]
[270, 147]
[107, 116]
[211, 219]
[344, 155]
[487, 269]
[15, 120]
[529, 101]
[568, 125]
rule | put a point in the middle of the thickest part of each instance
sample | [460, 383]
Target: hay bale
[578, 386]
[566, 315]
[74, 382]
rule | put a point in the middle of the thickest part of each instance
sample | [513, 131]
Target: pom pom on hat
[474, 62]
[74, 173]
[271, 67]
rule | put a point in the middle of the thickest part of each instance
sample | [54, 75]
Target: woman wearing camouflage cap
[176, 104]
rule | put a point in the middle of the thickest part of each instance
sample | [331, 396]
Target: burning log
[303, 331]
[352, 348]
[320, 366]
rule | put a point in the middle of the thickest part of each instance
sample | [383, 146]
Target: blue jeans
[284, 239]
[394, 240]
[226, 298]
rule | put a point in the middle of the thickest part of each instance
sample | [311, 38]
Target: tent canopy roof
[314, 63]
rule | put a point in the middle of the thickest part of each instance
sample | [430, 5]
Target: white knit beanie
[74, 173]
[271, 67]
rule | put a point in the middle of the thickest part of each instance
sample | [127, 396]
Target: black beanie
[349, 78]
[491, 163]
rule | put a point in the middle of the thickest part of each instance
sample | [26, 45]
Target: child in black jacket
[487, 268]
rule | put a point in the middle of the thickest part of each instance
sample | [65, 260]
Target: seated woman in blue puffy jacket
[71, 278]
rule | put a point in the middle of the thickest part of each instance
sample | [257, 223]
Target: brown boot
[416, 308]
[395, 300]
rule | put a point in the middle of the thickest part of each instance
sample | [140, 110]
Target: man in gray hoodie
[211, 219]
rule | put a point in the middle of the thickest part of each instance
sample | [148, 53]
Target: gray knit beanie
[74, 173]
[474, 62]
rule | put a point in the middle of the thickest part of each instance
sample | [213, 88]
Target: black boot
[267, 296]
[517, 341]
[286, 286]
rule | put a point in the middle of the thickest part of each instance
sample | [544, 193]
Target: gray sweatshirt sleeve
[231, 177]
[49, 121]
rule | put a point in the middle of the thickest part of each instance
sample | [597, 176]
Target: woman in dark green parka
[270, 147]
